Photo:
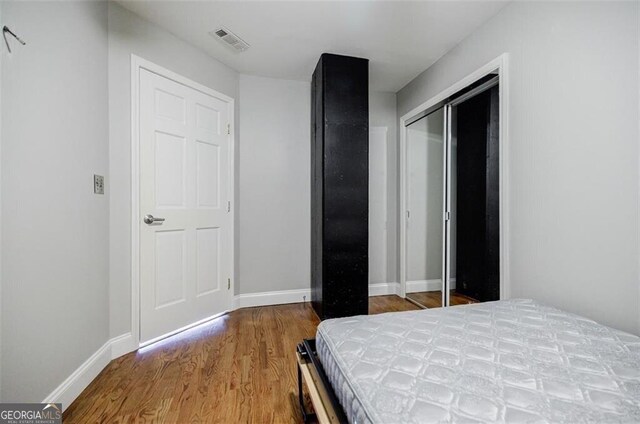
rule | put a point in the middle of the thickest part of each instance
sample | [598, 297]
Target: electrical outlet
[98, 184]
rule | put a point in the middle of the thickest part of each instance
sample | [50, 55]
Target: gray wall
[129, 34]
[274, 161]
[55, 236]
[573, 145]
[274, 184]
[382, 113]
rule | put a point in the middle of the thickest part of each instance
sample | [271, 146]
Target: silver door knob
[149, 219]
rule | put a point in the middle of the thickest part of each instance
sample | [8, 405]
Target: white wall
[274, 184]
[573, 146]
[55, 229]
[129, 34]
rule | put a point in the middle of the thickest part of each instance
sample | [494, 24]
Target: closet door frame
[446, 206]
[497, 66]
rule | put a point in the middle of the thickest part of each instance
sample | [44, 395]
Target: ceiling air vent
[230, 39]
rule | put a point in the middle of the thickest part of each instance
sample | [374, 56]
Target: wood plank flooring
[433, 299]
[240, 368]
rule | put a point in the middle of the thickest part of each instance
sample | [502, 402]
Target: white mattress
[507, 361]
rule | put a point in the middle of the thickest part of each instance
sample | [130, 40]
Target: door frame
[499, 65]
[138, 63]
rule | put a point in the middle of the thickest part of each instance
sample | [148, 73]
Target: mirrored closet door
[425, 196]
[452, 200]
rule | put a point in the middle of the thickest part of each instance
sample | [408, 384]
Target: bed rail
[310, 372]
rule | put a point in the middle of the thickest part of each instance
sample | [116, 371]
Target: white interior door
[185, 264]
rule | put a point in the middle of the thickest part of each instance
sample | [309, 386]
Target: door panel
[208, 262]
[170, 268]
[170, 178]
[208, 158]
[184, 178]
[170, 106]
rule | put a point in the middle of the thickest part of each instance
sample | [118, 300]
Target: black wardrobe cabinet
[340, 186]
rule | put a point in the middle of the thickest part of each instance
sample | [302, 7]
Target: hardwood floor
[239, 368]
[433, 299]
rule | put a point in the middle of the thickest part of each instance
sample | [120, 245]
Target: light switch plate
[98, 184]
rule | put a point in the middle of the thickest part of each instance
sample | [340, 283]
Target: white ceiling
[401, 39]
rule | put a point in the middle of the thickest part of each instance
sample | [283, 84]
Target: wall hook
[6, 29]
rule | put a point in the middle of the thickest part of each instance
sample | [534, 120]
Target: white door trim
[138, 63]
[499, 64]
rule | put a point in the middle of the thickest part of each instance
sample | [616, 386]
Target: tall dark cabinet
[340, 186]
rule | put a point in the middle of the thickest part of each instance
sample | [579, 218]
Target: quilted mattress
[507, 361]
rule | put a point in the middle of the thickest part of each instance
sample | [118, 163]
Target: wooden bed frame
[310, 373]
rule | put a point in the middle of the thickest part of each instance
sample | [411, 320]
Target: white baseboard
[382, 289]
[70, 388]
[279, 297]
[122, 344]
[427, 285]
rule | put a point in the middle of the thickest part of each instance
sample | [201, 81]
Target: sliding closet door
[453, 200]
[425, 196]
[476, 189]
